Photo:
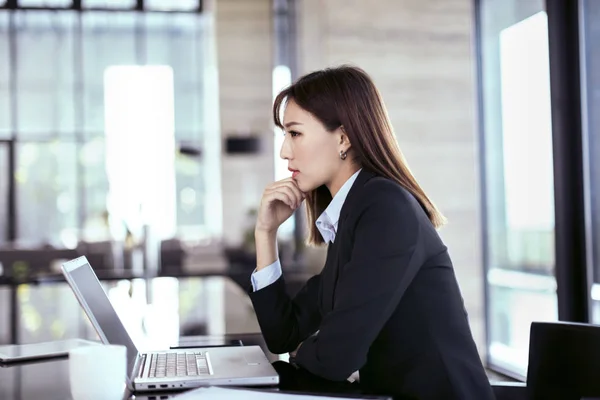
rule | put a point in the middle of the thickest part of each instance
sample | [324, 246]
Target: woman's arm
[286, 322]
[266, 248]
[386, 255]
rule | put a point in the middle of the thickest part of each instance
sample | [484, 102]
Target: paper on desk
[214, 393]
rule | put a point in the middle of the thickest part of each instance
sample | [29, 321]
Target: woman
[387, 303]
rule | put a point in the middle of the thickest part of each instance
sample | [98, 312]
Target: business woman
[387, 303]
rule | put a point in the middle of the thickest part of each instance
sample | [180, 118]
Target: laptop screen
[94, 300]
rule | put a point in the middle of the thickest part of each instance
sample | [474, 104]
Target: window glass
[519, 189]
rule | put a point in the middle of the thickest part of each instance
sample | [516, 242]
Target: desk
[49, 380]
[240, 275]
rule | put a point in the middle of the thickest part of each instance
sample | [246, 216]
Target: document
[215, 393]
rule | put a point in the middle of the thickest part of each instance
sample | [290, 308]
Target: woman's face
[311, 151]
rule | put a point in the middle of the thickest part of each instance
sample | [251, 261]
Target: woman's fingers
[290, 187]
[272, 195]
[295, 196]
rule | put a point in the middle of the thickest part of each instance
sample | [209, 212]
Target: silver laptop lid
[97, 306]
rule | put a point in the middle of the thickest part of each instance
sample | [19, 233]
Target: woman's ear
[344, 139]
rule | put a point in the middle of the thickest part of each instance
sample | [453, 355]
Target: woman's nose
[285, 152]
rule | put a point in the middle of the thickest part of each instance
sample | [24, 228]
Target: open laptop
[169, 369]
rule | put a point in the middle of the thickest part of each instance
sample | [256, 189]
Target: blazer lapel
[332, 267]
[354, 194]
[329, 277]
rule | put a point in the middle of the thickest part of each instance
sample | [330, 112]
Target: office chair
[564, 361]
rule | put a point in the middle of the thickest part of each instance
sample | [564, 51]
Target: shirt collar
[329, 218]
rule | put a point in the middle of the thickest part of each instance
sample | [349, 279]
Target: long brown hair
[347, 97]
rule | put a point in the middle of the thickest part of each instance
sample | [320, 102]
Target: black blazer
[386, 303]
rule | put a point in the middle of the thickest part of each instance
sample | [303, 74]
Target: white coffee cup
[98, 372]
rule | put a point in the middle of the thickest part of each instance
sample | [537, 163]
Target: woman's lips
[294, 172]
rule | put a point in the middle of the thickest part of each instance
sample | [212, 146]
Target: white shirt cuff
[266, 276]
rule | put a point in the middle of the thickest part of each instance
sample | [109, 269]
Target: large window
[5, 117]
[3, 192]
[590, 55]
[53, 99]
[518, 177]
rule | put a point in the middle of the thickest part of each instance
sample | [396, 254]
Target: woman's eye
[294, 133]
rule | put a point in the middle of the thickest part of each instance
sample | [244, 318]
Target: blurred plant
[248, 243]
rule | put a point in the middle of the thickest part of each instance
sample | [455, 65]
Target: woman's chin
[303, 186]
[306, 186]
[300, 184]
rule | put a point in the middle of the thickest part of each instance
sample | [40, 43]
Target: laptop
[172, 369]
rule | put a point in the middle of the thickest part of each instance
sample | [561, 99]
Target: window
[108, 40]
[284, 34]
[114, 4]
[44, 96]
[590, 52]
[3, 192]
[172, 5]
[5, 111]
[92, 164]
[61, 115]
[518, 166]
[45, 3]
[140, 147]
[46, 183]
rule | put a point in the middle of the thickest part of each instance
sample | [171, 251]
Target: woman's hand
[293, 353]
[278, 203]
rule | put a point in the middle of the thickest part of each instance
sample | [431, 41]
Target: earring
[343, 154]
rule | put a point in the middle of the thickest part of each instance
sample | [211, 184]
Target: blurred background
[139, 133]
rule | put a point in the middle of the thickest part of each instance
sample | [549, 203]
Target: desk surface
[50, 379]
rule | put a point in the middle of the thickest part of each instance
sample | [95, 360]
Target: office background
[132, 128]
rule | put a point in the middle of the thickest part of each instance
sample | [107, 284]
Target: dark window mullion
[570, 234]
[13, 68]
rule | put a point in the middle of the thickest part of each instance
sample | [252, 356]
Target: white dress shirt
[327, 224]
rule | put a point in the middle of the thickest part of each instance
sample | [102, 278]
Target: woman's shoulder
[382, 190]
[376, 195]
[381, 194]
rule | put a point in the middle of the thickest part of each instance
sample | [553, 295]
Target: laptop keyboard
[169, 365]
